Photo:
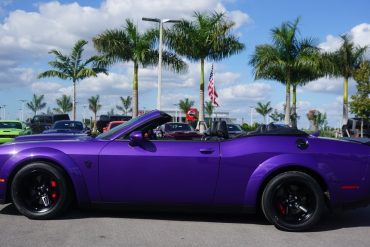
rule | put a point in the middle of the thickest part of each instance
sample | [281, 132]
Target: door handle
[206, 150]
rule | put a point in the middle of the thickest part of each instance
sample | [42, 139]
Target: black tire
[40, 191]
[293, 201]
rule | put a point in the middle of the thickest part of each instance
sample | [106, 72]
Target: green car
[9, 129]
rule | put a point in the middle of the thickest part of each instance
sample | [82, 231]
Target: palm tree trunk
[345, 101]
[201, 95]
[287, 103]
[94, 129]
[362, 127]
[135, 99]
[294, 108]
[74, 100]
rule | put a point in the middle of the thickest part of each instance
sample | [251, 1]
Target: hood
[51, 137]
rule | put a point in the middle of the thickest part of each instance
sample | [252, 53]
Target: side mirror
[136, 138]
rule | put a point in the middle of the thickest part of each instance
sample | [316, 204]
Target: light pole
[22, 108]
[4, 113]
[159, 84]
[252, 108]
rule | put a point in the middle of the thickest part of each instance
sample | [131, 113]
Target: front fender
[17, 160]
[270, 166]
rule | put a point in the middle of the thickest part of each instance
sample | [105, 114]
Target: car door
[172, 171]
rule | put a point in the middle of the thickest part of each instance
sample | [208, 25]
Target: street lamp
[159, 84]
[22, 108]
[252, 108]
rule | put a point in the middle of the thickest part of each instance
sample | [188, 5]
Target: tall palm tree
[264, 109]
[207, 37]
[36, 103]
[126, 105]
[185, 105]
[64, 104]
[209, 108]
[73, 67]
[94, 106]
[284, 59]
[343, 63]
[129, 45]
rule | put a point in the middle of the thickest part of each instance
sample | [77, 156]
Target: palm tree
[36, 103]
[208, 37]
[129, 45]
[285, 59]
[94, 106]
[264, 109]
[185, 105]
[64, 104]
[72, 67]
[126, 105]
[209, 107]
[344, 63]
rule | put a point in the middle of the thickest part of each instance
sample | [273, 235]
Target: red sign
[192, 114]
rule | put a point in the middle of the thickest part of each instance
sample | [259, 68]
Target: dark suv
[39, 123]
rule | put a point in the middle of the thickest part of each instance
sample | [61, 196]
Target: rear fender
[18, 160]
[283, 161]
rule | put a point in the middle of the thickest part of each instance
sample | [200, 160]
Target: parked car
[353, 128]
[180, 131]
[39, 123]
[9, 129]
[292, 177]
[112, 124]
[104, 120]
[234, 130]
[67, 126]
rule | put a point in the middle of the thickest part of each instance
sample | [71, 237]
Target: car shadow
[330, 222]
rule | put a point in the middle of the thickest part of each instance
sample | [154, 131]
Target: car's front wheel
[293, 201]
[40, 191]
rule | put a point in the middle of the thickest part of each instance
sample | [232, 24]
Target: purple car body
[230, 172]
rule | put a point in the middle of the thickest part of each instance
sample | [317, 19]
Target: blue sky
[28, 29]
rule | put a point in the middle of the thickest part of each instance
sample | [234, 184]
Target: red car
[178, 131]
[112, 124]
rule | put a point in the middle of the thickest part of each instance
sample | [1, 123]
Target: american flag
[212, 89]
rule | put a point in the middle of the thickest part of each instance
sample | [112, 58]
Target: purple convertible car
[290, 176]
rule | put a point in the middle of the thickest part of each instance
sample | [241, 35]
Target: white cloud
[330, 85]
[360, 35]
[256, 91]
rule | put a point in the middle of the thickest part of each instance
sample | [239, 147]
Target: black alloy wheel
[293, 201]
[40, 191]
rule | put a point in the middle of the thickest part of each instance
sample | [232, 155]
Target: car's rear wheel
[293, 201]
[40, 191]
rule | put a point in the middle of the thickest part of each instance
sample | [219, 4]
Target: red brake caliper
[282, 209]
[53, 185]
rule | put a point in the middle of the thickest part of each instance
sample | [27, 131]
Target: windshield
[10, 125]
[233, 127]
[68, 125]
[121, 126]
[177, 127]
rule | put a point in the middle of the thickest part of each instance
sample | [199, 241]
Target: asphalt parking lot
[120, 228]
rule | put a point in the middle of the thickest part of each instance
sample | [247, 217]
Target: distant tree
[36, 104]
[264, 109]
[277, 116]
[73, 67]
[207, 37]
[126, 105]
[343, 63]
[288, 60]
[209, 107]
[318, 120]
[64, 104]
[129, 45]
[110, 112]
[94, 106]
[185, 105]
[360, 103]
